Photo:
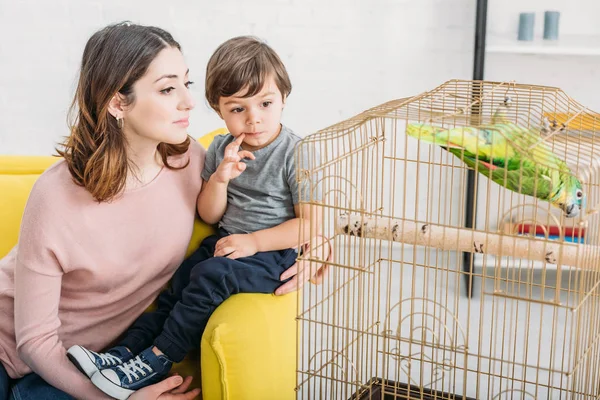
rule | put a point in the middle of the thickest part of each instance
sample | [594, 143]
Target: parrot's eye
[579, 193]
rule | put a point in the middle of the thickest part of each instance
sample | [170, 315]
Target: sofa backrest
[17, 176]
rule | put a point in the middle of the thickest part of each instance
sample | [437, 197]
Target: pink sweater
[83, 271]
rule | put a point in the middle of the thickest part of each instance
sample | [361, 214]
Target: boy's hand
[232, 166]
[236, 246]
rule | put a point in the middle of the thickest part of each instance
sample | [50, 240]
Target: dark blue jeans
[202, 283]
[4, 383]
[29, 387]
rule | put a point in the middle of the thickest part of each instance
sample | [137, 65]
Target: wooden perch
[472, 241]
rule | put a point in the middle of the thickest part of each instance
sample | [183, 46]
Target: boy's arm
[280, 237]
[285, 235]
[212, 201]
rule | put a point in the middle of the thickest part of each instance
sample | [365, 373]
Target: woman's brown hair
[114, 58]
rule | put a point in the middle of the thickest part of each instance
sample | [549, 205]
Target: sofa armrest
[249, 349]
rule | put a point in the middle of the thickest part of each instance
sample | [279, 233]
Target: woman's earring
[119, 122]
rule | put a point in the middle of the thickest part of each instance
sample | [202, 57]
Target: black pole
[480, 32]
[471, 200]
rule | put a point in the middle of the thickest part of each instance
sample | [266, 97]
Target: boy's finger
[226, 250]
[246, 154]
[232, 149]
[238, 140]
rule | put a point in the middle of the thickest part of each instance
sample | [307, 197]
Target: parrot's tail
[423, 132]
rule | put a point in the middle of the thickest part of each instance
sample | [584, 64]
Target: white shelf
[567, 45]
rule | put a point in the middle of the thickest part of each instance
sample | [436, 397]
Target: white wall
[343, 56]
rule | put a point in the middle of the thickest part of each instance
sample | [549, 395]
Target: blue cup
[551, 19]
[526, 21]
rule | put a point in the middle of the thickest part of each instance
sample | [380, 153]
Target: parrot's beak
[572, 211]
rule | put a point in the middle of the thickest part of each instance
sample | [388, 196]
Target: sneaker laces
[133, 367]
[107, 358]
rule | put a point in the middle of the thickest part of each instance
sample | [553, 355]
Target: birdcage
[458, 271]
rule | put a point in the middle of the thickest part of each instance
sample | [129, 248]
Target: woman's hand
[171, 388]
[236, 246]
[301, 273]
[305, 270]
[232, 166]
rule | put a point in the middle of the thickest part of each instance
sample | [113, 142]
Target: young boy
[250, 190]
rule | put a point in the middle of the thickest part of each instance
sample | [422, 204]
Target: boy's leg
[149, 325]
[211, 283]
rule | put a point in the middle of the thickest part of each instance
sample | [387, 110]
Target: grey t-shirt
[264, 195]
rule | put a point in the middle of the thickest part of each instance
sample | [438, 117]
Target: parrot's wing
[486, 141]
[523, 180]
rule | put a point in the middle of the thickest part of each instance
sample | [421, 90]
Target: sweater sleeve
[38, 278]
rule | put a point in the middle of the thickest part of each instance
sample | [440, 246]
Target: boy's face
[258, 117]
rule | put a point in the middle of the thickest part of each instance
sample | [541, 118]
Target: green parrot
[501, 151]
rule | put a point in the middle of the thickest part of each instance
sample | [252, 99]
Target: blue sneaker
[90, 362]
[141, 371]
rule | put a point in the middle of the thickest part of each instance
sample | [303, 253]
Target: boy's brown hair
[243, 62]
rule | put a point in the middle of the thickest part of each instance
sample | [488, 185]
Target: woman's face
[162, 104]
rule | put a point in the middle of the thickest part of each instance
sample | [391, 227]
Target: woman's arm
[43, 247]
[36, 318]
[38, 280]
[37, 297]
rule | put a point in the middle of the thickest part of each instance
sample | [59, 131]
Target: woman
[105, 228]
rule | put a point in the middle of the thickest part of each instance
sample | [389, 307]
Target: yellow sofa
[248, 350]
